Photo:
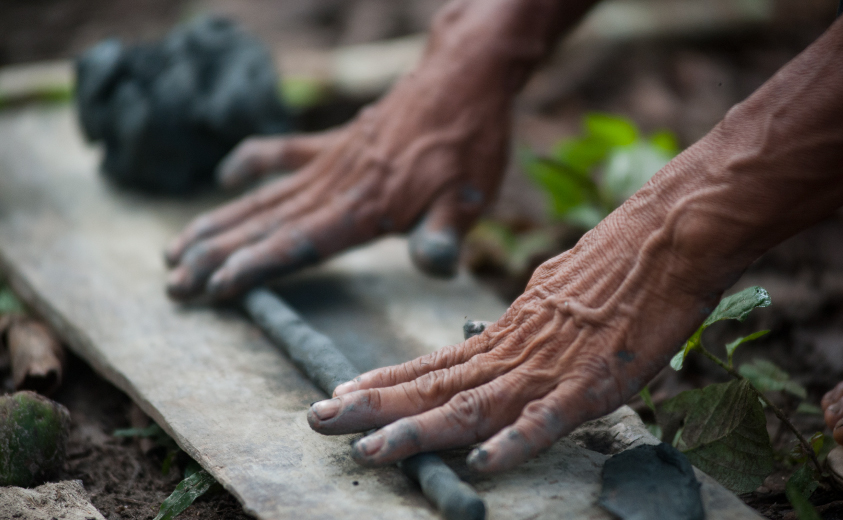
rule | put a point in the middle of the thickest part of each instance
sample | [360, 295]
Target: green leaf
[809, 409]
[738, 306]
[186, 492]
[766, 376]
[613, 130]
[8, 301]
[647, 398]
[799, 489]
[565, 189]
[724, 433]
[731, 347]
[581, 154]
[153, 431]
[585, 216]
[628, 168]
[679, 359]
[734, 307]
[665, 141]
[300, 93]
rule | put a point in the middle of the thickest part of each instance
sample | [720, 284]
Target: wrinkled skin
[594, 324]
[431, 154]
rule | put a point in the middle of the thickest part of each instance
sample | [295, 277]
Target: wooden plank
[88, 258]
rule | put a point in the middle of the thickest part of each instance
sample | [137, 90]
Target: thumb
[435, 242]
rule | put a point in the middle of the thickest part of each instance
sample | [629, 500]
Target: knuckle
[371, 399]
[468, 409]
[433, 384]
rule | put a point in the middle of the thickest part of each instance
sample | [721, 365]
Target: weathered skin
[430, 153]
[595, 323]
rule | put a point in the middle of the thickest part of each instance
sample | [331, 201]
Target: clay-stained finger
[300, 243]
[469, 417]
[367, 409]
[233, 214]
[36, 355]
[436, 241]
[395, 375]
[201, 259]
[258, 156]
[542, 422]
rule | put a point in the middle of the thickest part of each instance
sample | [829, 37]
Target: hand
[594, 325]
[832, 404]
[429, 154]
[424, 155]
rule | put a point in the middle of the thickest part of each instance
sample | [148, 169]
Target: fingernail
[477, 459]
[834, 408]
[325, 410]
[345, 388]
[369, 445]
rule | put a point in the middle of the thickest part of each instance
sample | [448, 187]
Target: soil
[122, 481]
[685, 84]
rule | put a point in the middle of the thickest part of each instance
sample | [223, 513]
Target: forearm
[481, 52]
[772, 167]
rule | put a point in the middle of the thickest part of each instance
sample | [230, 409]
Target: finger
[373, 408]
[201, 259]
[832, 396]
[300, 243]
[543, 422]
[435, 243]
[219, 220]
[395, 375]
[258, 156]
[470, 416]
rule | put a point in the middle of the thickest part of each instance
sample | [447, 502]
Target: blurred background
[660, 74]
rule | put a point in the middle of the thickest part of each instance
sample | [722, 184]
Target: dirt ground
[684, 84]
[122, 481]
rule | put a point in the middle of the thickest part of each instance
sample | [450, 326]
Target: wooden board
[88, 257]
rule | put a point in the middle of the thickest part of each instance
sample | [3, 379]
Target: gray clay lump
[168, 111]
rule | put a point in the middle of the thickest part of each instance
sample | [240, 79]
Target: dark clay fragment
[473, 328]
[169, 111]
[649, 482]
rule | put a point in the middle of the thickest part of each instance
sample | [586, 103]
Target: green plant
[196, 481]
[159, 437]
[588, 176]
[9, 303]
[722, 428]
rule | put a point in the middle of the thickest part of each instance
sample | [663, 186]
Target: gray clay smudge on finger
[436, 253]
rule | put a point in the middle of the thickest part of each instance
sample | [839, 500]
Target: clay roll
[320, 360]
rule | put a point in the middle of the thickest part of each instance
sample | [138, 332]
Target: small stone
[33, 435]
[66, 500]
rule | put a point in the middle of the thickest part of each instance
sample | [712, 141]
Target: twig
[776, 410]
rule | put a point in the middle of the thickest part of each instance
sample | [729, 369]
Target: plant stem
[776, 410]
